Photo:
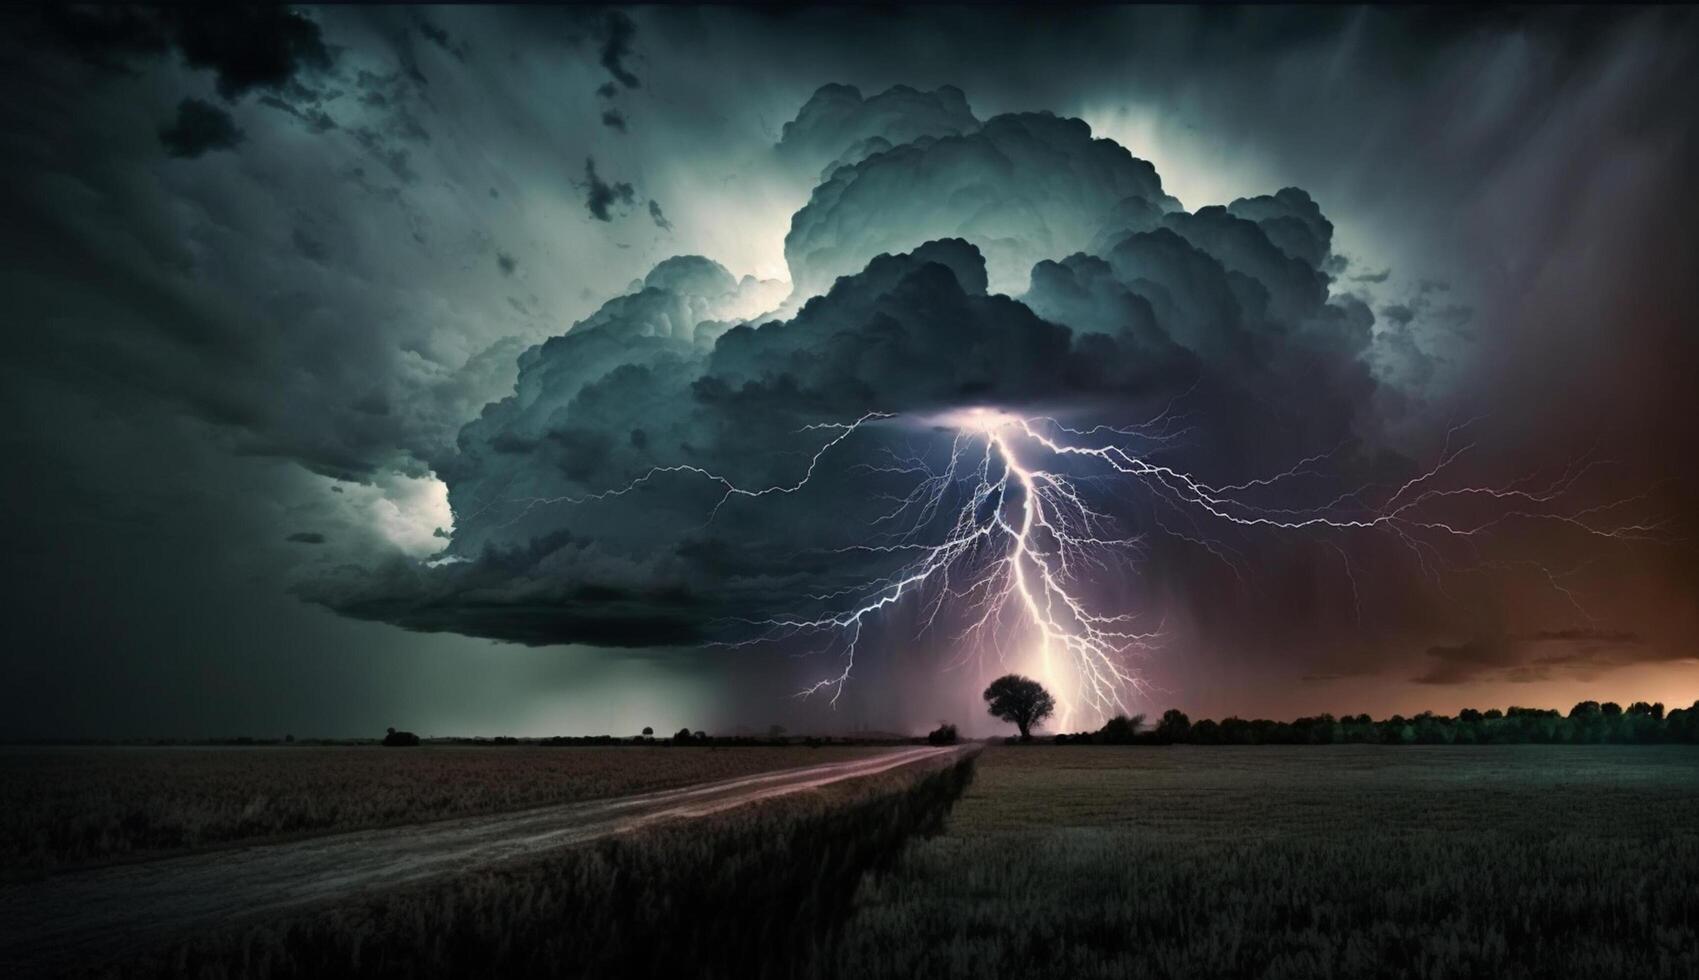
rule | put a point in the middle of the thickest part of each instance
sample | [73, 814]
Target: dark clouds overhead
[245, 46]
[199, 127]
[618, 32]
[658, 216]
[674, 374]
[602, 197]
[1579, 653]
[290, 336]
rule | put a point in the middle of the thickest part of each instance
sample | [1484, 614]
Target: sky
[498, 371]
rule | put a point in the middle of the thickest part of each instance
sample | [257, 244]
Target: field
[1342, 861]
[753, 892]
[1270, 862]
[72, 806]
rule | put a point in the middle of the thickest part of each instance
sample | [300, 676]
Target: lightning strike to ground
[1004, 536]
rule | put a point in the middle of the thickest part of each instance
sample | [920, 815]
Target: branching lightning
[1004, 535]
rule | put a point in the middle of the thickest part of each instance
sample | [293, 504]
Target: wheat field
[1269, 862]
[74, 806]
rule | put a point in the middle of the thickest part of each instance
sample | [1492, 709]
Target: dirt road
[100, 914]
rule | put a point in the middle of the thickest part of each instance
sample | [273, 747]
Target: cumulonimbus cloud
[1021, 265]
[1229, 306]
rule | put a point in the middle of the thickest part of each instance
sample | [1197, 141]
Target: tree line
[1588, 723]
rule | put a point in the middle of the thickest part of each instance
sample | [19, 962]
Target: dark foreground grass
[1515, 861]
[753, 892]
[64, 806]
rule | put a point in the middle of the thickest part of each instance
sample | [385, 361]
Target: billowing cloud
[582, 501]
[1022, 188]
[836, 126]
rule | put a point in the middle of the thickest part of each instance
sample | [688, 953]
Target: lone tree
[1021, 701]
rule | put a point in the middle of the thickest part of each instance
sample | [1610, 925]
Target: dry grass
[1299, 862]
[72, 806]
[748, 894]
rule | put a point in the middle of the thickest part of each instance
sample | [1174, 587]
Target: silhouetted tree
[1174, 726]
[648, 730]
[1021, 701]
[1120, 730]
[944, 734]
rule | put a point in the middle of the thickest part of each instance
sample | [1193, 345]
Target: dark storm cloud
[617, 34]
[1583, 653]
[245, 46]
[307, 537]
[1227, 304]
[1467, 661]
[261, 46]
[199, 127]
[601, 196]
[441, 38]
[506, 263]
[613, 119]
[260, 300]
[658, 216]
[314, 118]
[1398, 313]
[1028, 264]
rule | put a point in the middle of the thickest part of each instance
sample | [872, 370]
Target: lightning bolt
[1005, 536]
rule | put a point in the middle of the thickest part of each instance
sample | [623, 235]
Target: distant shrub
[1174, 726]
[944, 734]
[395, 738]
[1121, 730]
